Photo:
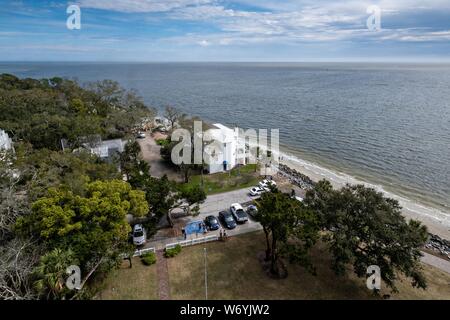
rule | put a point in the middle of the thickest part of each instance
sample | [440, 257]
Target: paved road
[218, 202]
[222, 201]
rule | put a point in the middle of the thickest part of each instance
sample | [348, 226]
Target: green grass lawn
[245, 177]
[235, 273]
[137, 283]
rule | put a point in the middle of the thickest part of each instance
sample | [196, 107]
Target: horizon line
[232, 61]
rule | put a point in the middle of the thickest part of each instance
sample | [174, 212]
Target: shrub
[163, 142]
[170, 253]
[148, 258]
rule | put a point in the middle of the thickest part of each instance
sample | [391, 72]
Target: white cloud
[305, 20]
[204, 43]
[288, 21]
[140, 5]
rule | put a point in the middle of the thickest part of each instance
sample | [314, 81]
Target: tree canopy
[365, 228]
[42, 112]
[291, 230]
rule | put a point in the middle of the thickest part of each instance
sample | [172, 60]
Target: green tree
[365, 228]
[194, 195]
[290, 228]
[50, 274]
[162, 196]
[133, 166]
[78, 105]
[93, 226]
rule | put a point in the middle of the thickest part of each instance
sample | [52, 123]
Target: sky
[226, 30]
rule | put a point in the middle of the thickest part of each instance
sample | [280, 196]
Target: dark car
[252, 210]
[227, 219]
[212, 223]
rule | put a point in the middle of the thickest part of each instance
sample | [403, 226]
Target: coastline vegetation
[61, 208]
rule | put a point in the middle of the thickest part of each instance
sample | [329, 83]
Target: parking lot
[212, 206]
[220, 202]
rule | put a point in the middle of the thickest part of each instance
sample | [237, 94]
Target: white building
[222, 149]
[106, 149]
[5, 141]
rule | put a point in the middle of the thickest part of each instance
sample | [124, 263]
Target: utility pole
[206, 276]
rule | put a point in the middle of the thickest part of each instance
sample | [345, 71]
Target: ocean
[384, 124]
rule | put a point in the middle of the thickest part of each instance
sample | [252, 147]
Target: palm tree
[50, 273]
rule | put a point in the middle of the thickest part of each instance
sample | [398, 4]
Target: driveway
[151, 153]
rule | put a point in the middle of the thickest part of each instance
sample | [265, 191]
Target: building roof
[105, 149]
[222, 133]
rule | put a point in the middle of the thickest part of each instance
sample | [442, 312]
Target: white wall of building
[5, 141]
[228, 138]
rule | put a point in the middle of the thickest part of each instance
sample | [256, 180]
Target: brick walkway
[163, 276]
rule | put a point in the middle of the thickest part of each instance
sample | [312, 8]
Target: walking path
[436, 262]
[163, 276]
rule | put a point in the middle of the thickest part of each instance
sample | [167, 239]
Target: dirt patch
[158, 167]
[159, 136]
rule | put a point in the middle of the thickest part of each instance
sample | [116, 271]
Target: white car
[265, 184]
[139, 235]
[238, 213]
[298, 198]
[256, 191]
[140, 135]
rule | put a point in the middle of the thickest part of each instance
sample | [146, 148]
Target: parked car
[139, 235]
[256, 191]
[140, 135]
[238, 213]
[252, 210]
[212, 223]
[227, 219]
[265, 184]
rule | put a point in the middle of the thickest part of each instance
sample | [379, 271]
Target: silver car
[238, 213]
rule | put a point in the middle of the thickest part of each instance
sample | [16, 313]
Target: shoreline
[437, 222]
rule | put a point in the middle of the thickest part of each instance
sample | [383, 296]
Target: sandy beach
[437, 222]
